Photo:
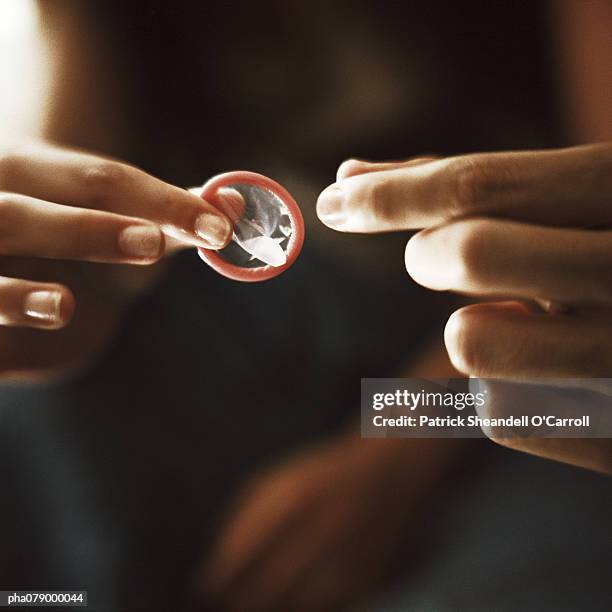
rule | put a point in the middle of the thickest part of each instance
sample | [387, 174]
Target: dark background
[115, 482]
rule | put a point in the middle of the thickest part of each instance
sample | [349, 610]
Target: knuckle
[381, 204]
[103, 178]
[472, 184]
[461, 339]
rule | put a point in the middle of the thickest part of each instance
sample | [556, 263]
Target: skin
[504, 228]
[62, 211]
[304, 535]
[261, 538]
[66, 211]
[292, 538]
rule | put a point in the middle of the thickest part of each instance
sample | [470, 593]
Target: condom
[268, 226]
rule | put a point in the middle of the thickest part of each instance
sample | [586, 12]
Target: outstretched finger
[75, 178]
[567, 187]
[35, 228]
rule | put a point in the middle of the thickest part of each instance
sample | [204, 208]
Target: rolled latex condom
[268, 226]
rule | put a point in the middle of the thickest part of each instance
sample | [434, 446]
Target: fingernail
[143, 241]
[330, 203]
[214, 229]
[43, 305]
[231, 202]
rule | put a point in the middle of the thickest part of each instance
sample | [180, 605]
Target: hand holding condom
[268, 228]
[63, 211]
[510, 228]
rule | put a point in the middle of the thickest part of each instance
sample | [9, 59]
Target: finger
[492, 258]
[354, 167]
[568, 187]
[227, 199]
[34, 228]
[79, 179]
[39, 305]
[506, 340]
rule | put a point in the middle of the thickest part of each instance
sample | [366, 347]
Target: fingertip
[67, 306]
[214, 229]
[411, 259]
[231, 202]
[330, 207]
[468, 330]
[454, 331]
[463, 339]
[420, 262]
[50, 307]
[350, 167]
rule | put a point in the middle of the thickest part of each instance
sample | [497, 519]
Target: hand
[58, 205]
[508, 228]
[322, 530]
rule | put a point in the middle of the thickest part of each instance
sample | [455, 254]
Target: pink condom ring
[269, 219]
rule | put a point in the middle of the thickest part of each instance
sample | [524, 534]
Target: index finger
[81, 179]
[565, 187]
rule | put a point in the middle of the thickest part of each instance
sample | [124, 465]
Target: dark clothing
[114, 483]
